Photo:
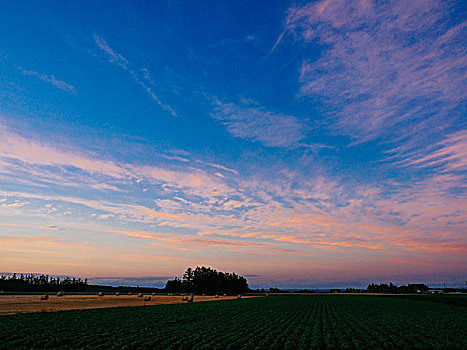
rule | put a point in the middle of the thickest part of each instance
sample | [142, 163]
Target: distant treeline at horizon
[41, 283]
[201, 280]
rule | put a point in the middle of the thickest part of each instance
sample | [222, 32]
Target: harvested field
[13, 304]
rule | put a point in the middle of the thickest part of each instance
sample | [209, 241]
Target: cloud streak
[449, 155]
[144, 80]
[49, 79]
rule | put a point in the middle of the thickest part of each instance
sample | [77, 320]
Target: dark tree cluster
[42, 283]
[204, 280]
[393, 289]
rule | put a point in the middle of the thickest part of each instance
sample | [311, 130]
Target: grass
[275, 322]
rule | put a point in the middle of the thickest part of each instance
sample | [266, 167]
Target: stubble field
[12, 304]
[274, 322]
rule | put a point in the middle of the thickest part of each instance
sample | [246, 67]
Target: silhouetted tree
[204, 280]
[174, 286]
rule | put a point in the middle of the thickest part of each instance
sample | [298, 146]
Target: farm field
[12, 304]
[274, 322]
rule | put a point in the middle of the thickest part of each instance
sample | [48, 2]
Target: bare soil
[12, 304]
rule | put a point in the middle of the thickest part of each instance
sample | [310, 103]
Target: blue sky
[306, 143]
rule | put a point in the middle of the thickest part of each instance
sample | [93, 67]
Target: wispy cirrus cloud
[384, 65]
[114, 57]
[50, 162]
[143, 78]
[218, 166]
[46, 165]
[49, 79]
[235, 211]
[34, 151]
[448, 155]
[250, 121]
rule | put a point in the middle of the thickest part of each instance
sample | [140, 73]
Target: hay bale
[117, 294]
[101, 294]
[148, 298]
[45, 297]
[140, 295]
[60, 294]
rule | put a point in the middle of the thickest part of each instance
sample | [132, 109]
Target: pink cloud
[288, 214]
[253, 122]
[449, 154]
[32, 151]
[292, 240]
[383, 64]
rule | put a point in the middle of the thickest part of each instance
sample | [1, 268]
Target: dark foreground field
[274, 322]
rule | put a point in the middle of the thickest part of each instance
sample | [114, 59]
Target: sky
[300, 144]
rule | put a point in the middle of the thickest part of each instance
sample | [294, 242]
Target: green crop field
[274, 322]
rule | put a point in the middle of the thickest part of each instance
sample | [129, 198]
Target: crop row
[274, 322]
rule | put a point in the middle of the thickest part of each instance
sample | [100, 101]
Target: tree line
[201, 280]
[42, 283]
[393, 289]
[204, 280]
